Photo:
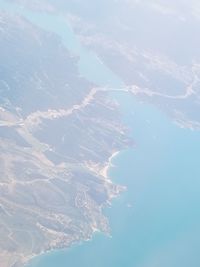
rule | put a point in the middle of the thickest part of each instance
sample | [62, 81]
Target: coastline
[103, 172]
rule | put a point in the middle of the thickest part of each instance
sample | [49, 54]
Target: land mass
[57, 134]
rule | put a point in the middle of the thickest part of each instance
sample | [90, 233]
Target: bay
[156, 221]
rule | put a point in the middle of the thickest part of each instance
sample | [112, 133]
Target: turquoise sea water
[156, 222]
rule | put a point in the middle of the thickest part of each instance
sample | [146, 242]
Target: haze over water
[156, 222]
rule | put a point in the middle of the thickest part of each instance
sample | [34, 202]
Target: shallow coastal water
[156, 222]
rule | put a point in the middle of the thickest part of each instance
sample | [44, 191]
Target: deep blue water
[156, 222]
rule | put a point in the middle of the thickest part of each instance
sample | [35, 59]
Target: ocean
[155, 223]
